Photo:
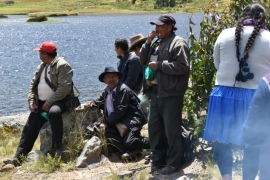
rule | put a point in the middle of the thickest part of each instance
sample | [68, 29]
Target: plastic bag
[149, 74]
[144, 101]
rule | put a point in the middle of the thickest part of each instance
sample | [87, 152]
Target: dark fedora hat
[108, 70]
[165, 19]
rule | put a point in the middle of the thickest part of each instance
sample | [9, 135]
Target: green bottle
[45, 115]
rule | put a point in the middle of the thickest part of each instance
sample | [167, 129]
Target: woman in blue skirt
[241, 57]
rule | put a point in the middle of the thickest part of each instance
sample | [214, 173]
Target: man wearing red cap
[51, 84]
[168, 56]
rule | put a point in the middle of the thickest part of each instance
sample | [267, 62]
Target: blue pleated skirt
[227, 112]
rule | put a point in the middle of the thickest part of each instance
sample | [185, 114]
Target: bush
[57, 15]
[3, 16]
[37, 19]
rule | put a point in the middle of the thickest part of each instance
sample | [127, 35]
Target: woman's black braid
[254, 34]
[257, 12]
[252, 11]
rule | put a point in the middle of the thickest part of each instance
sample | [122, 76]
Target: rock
[104, 160]
[125, 174]
[183, 178]
[10, 125]
[34, 156]
[74, 125]
[7, 167]
[90, 154]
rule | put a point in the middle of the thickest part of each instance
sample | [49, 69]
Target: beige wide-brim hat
[134, 40]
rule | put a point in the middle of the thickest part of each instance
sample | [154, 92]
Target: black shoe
[130, 155]
[155, 168]
[167, 170]
[59, 149]
[148, 157]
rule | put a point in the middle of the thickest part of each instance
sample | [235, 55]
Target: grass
[72, 7]
[211, 170]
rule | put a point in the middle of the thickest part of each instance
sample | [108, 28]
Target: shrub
[37, 19]
[3, 16]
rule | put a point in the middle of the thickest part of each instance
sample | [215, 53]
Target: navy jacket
[131, 69]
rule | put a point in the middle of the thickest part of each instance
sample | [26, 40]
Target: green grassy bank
[71, 7]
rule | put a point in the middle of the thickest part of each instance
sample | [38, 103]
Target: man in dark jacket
[123, 120]
[129, 65]
[169, 58]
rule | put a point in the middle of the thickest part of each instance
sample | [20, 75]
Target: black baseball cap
[165, 19]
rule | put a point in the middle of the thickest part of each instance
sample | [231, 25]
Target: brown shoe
[14, 161]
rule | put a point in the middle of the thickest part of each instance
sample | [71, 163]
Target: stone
[125, 174]
[7, 167]
[91, 153]
[34, 156]
[74, 124]
[10, 125]
[184, 177]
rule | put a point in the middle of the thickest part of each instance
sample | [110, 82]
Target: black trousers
[34, 124]
[129, 142]
[164, 128]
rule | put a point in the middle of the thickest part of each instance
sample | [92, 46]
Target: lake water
[86, 42]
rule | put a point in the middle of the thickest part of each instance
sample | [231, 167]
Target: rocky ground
[113, 165]
[109, 167]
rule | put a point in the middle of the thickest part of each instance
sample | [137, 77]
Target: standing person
[42, 98]
[136, 43]
[241, 57]
[120, 109]
[169, 58]
[129, 65]
[257, 124]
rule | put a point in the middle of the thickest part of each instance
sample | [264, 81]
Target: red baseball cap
[48, 47]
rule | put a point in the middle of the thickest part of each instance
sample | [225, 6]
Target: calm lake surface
[86, 42]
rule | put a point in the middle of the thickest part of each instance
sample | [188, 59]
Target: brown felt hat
[134, 40]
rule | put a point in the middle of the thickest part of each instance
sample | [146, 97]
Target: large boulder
[74, 126]
[91, 153]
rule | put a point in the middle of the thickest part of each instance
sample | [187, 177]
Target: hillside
[100, 6]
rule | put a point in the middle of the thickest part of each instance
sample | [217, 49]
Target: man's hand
[102, 127]
[46, 107]
[151, 36]
[153, 65]
[33, 107]
[88, 104]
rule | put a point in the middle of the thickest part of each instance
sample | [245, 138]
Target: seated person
[42, 98]
[120, 108]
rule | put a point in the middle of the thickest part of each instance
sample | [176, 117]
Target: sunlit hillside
[101, 6]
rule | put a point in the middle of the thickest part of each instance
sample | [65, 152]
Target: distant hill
[101, 6]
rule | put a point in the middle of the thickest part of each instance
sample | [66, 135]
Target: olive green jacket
[61, 77]
[173, 65]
